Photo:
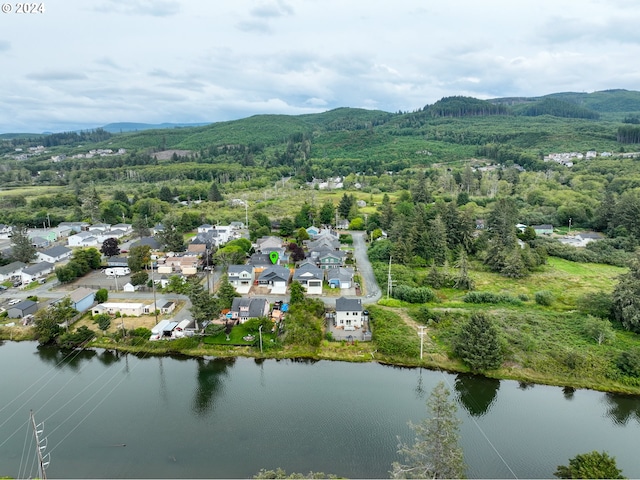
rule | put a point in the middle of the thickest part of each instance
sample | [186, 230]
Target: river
[121, 416]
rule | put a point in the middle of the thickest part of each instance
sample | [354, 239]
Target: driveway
[369, 284]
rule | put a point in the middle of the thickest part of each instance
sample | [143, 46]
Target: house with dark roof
[329, 259]
[275, 278]
[310, 277]
[543, 229]
[22, 309]
[339, 277]
[243, 309]
[150, 241]
[54, 254]
[349, 313]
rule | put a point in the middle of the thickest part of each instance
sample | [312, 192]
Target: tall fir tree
[478, 344]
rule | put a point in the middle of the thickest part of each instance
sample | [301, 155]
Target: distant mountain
[605, 101]
[133, 127]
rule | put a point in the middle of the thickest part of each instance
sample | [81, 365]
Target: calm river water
[189, 418]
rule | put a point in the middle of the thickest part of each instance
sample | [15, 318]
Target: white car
[14, 301]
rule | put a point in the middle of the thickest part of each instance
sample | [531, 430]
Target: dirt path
[402, 313]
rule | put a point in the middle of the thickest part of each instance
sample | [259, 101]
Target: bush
[102, 295]
[598, 304]
[414, 294]
[424, 315]
[629, 362]
[488, 297]
[544, 298]
[140, 332]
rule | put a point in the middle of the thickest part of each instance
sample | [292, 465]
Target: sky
[86, 63]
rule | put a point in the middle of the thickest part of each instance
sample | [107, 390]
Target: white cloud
[164, 60]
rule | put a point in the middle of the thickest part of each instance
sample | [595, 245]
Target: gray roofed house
[13, 269]
[241, 277]
[117, 261]
[150, 241]
[276, 278]
[349, 313]
[243, 309]
[22, 309]
[310, 277]
[339, 277]
[260, 260]
[36, 271]
[54, 254]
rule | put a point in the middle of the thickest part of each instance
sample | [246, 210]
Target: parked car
[2, 288]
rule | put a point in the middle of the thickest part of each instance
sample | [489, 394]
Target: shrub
[544, 298]
[424, 315]
[102, 295]
[488, 297]
[140, 332]
[598, 304]
[414, 294]
[629, 362]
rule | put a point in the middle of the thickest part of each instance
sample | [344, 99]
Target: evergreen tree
[286, 227]
[344, 207]
[626, 297]
[214, 194]
[172, 239]
[226, 294]
[297, 293]
[21, 248]
[463, 281]
[120, 196]
[478, 344]
[435, 452]
[165, 194]
[590, 465]
[327, 213]
[437, 241]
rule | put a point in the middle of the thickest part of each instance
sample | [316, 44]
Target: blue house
[82, 298]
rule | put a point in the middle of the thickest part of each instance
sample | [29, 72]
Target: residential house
[168, 307]
[259, 262]
[241, 277]
[82, 239]
[54, 254]
[324, 242]
[127, 228]
[330, 259]
[22, 309]
[157, 228]
[197, 248]
[310, 277]
[148, 241]
[339, 277]
[34, 272]
[204, 228]
[349, 313]
[237, 225]
[313, 231]
[189, 264]
[11, 271]
[40, 242]
[129, 287]
[117, 261]
[99, 228]
[76, 227]
[276, 278]
[129, 309]
[243, 309]
[82, 298]
[266, 243]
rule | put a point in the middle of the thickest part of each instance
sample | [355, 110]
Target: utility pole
[41, 445]
[389, 280]
[260, 331]
[421, 333]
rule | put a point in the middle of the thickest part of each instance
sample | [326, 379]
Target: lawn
[236, 337]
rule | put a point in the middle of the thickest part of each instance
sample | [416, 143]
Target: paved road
[370, 286]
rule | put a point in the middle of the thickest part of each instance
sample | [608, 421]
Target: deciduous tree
[110, 247]
[626, 298]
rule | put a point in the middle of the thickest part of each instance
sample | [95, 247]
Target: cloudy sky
[86, 63]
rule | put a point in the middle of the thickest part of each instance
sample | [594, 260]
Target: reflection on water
[210, 378]
[622, 408]
[568, 392]
[71, 359]
[475, 393]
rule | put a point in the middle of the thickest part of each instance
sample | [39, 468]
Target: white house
[82, 239]
[12, 270]
[349, 313]
[310, 277]
[54, 254]
[129, 309]
[244, 309]
[33, 272]
[241, 277]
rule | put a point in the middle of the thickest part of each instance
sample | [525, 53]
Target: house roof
[80, 294]
[37, 268]
[542, 227]
[23, 305]
[308, 271]
[256, 306]
[56, 251]
[237, 269]
[341, 273]
[260, 260]
[275, 272]
[12, 267]
[150, 241]
[348, 304]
